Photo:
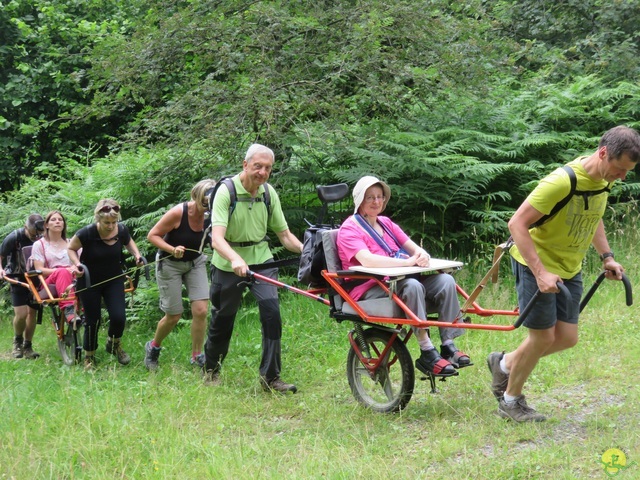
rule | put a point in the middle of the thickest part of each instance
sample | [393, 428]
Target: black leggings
[114, 300]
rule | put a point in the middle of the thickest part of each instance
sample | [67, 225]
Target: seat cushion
[43, 293]
[380, 307]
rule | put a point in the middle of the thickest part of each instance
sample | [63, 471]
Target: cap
[35, 222]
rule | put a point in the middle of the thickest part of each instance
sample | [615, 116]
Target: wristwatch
[606, 255]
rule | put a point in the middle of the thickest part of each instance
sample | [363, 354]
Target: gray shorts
[171, 275]
[550, 307]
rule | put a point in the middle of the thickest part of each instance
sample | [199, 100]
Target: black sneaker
[431, 363]
[277, 385]
[199, 360]
[69, 313]
[151, 355]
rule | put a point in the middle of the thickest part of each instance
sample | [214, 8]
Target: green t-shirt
[248, 223]
[563, 241]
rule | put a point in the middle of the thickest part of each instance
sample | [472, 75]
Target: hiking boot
[27, 351]
[17, 351]
[89, 363]
[151, 355]
[211, 378]
[431, 363]
[455, 357]
[197, 360]
[499, 379]
[114, 348]
[277, 385]
[519, 411]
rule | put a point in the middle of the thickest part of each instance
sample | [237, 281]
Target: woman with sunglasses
[181, 235]
[102, 243]
[50, 256]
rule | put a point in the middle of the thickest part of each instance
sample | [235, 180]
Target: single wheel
[70, 345]
[390, 387]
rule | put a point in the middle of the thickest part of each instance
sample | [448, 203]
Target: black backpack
[312, 259]
[15, 259]
[233, 196]
[562, 203]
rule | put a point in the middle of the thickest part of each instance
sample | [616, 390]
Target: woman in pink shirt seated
[371, 240]
[49, 255]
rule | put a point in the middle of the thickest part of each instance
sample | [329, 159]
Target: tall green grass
[58, 422]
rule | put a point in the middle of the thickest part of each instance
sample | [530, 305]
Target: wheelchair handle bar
[523, 315]
[86, 276]
[136, 276]
[596, 284]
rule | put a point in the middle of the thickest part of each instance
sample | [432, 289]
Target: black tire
[71, 344]
[391, 387]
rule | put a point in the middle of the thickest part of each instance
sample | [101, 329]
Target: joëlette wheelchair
[380, 369]
[69, 333]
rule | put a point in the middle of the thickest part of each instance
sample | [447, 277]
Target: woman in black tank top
[181, 235]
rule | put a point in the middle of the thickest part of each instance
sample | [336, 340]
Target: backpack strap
[233, 196]
[562, 203]
[233, 200]
[390, 233]
[573, 191]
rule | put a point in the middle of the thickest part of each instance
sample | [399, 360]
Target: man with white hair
[239, 222]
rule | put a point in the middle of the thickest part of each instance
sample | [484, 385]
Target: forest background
[460, 106]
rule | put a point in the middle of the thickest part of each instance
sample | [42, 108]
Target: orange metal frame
[50, 300]
[334, 281]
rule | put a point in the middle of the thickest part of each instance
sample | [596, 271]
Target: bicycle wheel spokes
[390, 386]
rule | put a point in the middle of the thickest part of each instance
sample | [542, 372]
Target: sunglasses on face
[108, 208]
[39, 225]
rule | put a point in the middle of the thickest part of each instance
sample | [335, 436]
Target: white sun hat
[361, 187]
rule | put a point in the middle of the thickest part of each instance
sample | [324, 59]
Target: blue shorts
[550, 307]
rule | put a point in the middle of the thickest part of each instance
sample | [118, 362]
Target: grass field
[58, 422]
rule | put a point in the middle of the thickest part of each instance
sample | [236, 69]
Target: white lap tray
[384, 307]
[435, 264]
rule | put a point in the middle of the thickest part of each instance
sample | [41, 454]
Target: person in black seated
[180, 236]
[371, 240]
